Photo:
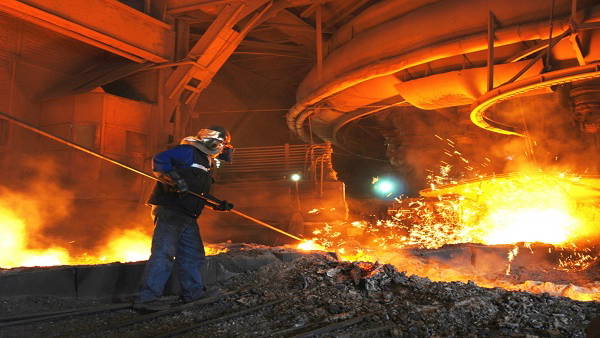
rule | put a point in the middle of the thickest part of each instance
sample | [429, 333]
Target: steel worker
[176, 239]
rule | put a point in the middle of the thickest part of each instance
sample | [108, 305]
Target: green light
[295, 177]
[384, 187]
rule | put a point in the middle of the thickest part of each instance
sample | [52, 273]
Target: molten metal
[525, 207]
[556, 209]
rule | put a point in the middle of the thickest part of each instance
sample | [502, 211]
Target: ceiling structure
[342, 60]
[369, 57]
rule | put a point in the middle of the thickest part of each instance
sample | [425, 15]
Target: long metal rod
[264, 224]
[526, 68]
[28, 126]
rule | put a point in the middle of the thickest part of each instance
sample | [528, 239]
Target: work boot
[152, 306]
[214, 292]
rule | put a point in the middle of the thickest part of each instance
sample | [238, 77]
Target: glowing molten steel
[13, 244]
[310, 245]
[128, 245]
[531, 207]
[529, 225]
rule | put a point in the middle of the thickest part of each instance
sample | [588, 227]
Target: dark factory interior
[300, 168]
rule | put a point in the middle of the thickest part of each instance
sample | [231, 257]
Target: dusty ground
[317, 290]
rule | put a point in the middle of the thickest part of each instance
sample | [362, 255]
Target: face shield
[214, 141]
[227, 154]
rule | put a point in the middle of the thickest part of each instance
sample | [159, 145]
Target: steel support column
[490, 51]
[207, 56]
[319, 40]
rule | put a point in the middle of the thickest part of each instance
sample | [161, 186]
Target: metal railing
[277, 163]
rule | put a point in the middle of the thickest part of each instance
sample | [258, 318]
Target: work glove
[223, 206]
[178, 181]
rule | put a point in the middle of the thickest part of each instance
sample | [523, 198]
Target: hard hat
[214, 141]
[223, 133]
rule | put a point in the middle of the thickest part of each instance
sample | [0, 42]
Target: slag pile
[320, 288]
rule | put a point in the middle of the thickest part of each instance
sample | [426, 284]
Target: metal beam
[342, 14]
[574, 40]
[158, 9]
[100, 75]
[312, 8]
[294, 29]
[262, 45]
[208, 54]
[526, 68]
[490, 51]
[587, 26]
[182, 38]
[319, 41]
[183, 6]
[211, 7]
[527, 52]
[114, 27]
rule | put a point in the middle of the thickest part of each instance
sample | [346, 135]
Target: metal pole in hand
[123, 165]
[265, 224]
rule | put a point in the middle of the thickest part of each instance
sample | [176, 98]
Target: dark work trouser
[176, 240]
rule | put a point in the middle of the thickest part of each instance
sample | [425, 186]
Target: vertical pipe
[182, 39]
[346, 209]
[14, 62]
[322, 165]
[297, 196]
[177, 125]
[12, 83]
[490, 54]
[6, 133]
[158, 9]
[159, 137]
[319, 41]
[286, 150]
[310, 133]
[551, 24]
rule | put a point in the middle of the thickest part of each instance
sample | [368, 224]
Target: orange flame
[128, 245]
[13, 244]
[527, 207]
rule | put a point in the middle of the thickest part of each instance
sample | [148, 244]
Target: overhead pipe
[426, 26]
[469, 44]
[546, 80]
[373, 16]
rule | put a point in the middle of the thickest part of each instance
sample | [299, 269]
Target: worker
[176, 239]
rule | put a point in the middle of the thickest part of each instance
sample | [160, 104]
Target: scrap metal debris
[318, 295]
